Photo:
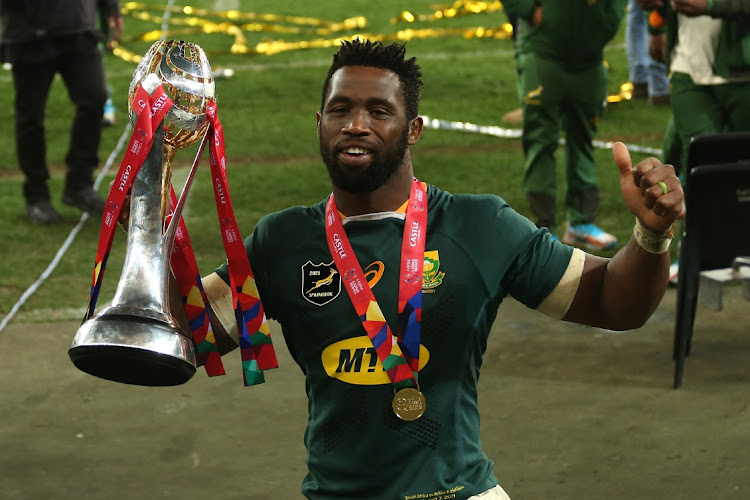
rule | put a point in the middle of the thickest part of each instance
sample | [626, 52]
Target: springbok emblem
[321, 283]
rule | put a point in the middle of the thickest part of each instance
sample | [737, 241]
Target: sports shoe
[86, 199]
[674, 272]
[43, 213]
[588, 235]
[108, 118]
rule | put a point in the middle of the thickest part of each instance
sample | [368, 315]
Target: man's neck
[387, 198]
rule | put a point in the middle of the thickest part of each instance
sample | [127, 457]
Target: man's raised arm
[622, 292]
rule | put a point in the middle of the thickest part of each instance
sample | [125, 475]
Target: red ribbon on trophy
[256, 347]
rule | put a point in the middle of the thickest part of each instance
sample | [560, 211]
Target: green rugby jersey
[478, 250]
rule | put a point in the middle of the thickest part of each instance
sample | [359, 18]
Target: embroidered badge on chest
[432, 275]
[321, 283]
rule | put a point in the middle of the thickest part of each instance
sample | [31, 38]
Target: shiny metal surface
[184, 71]
[129, 350]
[136, 339]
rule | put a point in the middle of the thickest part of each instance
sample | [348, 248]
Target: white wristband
[651, 241]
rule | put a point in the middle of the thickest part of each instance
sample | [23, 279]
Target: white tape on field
[510, 133]
[124, 138]
[71, 236]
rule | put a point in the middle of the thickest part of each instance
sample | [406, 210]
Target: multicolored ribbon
[194, 299]
[256, 347]
[399, 355]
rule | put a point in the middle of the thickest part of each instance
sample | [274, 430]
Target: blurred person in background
[648, 76]
[563, 82]
[41, 39]
[706, 45]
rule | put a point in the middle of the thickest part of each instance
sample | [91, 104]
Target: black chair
[716, 228]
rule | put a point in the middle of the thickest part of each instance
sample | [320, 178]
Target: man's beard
[381, 168]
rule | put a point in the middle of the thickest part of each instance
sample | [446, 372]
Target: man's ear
[415, 130]
[317, 123]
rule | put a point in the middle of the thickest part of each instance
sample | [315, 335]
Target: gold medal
[409, 404]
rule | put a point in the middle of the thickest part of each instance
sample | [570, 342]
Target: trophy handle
[171, 229]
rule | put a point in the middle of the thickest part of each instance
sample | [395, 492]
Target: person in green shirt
[706, 45]
[380, 233]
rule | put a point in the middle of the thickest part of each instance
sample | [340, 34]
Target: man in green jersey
[386, 230]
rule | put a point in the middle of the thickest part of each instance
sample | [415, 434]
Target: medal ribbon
[399, 355]
[256, 348]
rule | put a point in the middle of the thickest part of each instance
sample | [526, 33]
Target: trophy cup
[136, 340]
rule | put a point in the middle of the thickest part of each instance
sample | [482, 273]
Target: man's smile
[355, 155]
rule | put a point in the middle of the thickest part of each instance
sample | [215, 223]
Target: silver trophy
[136, 340]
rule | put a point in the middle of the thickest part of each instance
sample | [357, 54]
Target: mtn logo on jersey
[321, 283]
[355, 362]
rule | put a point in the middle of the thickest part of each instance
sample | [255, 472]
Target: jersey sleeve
[535, 264]
[513, 256]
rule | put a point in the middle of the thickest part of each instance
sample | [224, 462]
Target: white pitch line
[71, 236]
[511, 133]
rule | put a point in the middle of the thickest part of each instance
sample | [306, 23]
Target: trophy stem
[136, 340]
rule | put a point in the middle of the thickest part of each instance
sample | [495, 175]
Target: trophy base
[133, 350]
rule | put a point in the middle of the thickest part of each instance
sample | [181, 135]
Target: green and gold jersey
[478, 251]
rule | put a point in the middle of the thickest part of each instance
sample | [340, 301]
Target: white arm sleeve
[558, 301]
